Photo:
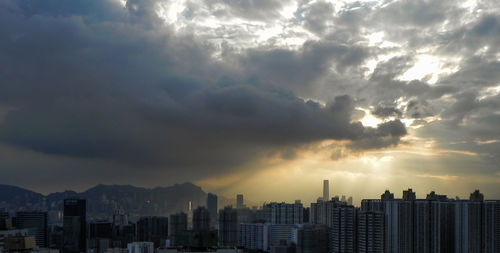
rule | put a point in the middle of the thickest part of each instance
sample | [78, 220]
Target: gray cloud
[118, 88]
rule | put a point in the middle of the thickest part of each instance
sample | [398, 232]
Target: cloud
[196, 89]
[119, 86]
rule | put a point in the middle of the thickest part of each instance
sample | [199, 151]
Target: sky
[261, 97]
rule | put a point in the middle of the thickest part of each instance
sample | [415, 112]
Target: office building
[326, 190]
[212, 206]
[228, 227]
[153, 229]
[37, 225]
[75, 226]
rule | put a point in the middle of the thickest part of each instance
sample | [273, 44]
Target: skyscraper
[36, 223]
[326, 190]
[212, 208]
[75, 226]
[239, 201]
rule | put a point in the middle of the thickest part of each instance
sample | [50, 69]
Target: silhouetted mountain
[104, 200]
[16, 196]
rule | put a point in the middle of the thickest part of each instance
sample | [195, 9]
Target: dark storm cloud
[385, 112]
[115, 84]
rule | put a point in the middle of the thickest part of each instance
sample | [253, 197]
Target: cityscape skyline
[386, 224]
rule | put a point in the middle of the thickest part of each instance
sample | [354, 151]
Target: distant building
[201, 219]
[253, 237]
[100, 235]
[284, 213]
[153, 229]
[141, 247]
[239, 201]
[178, 224]
[19, 243]
[228, 227]
[313, 239]
[37, 225]
[326, 190]
[75, 226]
[212, 206]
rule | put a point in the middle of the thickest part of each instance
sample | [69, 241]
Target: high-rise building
[491, 226]
[36, 223]
[239, 201]
[370, 232]
[253, 236]
[212, 208]
[284, 213]
[343, 229]
[313, 239]
[468, 226]
[201, 219]
[75, 226]
[153, 229]
[228, 227]
[326, 190]
[178, 224]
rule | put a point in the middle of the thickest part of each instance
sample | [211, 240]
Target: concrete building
[253, 236]
[284, 213]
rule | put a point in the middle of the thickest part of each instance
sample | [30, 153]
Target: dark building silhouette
[313, 239]
[239, 201]
[491, 226]
[36, 223]
[228, 227]
[371, 226]
[153, 229]
[75, 226]
[212, 207]
[201, 219]
[178, 224]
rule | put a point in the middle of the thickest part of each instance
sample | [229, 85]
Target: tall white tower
[326, 190]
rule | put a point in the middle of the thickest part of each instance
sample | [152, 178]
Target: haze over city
[265, 98]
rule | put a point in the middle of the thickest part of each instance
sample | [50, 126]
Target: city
[250, 126]
[330, 225]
